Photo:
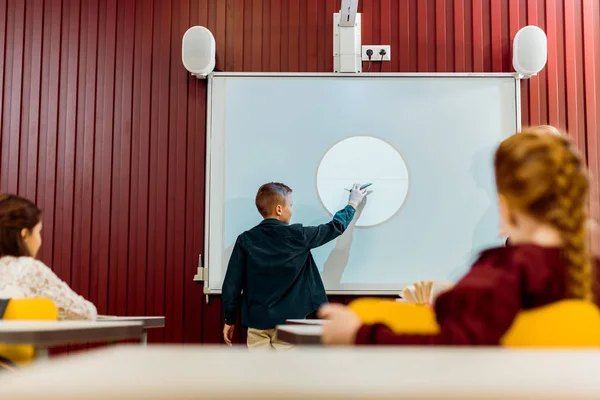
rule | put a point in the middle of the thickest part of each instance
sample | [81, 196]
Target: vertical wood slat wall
[102, 126]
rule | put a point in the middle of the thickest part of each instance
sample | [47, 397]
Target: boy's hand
[356, 195]
[228, 333]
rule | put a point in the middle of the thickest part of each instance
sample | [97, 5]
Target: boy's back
[278, 274]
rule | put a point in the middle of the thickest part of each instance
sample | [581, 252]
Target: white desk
[147, 323]
[300, 334]
[194, 372]
[306, 321]
[45, 334]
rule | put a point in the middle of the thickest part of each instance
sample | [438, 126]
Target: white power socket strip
[376, 56]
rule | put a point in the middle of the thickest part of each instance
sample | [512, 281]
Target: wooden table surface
[57, 333]
[300, 334]
[195, 372]
[147, 322]
[306, 321]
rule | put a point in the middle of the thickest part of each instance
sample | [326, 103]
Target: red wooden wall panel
[103, 127]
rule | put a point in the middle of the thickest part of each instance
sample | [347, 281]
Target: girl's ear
[504, 211]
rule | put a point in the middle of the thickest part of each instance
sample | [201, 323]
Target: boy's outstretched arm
[232, 289]
[316, 236]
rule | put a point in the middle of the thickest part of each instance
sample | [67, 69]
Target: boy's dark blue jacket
[274, 274]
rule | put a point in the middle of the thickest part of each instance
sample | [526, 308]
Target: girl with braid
[542, 188]
[593, 222]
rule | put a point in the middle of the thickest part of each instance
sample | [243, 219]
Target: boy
[272, 270]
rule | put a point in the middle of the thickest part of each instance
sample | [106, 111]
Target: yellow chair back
[399, 317]
[34, 309]
[566, 323]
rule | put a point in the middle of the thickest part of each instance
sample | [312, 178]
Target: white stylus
[366, 185]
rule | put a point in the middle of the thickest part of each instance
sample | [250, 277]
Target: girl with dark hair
[21, 275]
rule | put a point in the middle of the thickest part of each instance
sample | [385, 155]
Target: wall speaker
[198, 51]
[530, 51]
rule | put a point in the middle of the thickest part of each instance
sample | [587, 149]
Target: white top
[26, 277]
[196, 372]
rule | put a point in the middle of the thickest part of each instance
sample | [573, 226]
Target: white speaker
[198, 51]
[530, 51]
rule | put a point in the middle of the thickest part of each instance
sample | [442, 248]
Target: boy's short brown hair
[269, 196]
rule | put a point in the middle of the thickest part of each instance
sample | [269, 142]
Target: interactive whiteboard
[425, 141]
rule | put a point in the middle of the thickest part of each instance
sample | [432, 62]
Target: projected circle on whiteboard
[364, 159]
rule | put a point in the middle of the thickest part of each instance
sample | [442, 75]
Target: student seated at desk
[272, 270]
[593, 225]
[543, 195]
[21, 275]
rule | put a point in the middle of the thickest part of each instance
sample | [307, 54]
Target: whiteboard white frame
[210, 194]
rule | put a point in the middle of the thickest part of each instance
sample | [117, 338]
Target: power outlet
[376, 56]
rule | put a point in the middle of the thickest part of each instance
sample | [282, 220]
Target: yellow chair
[399, 317]
[566, 323]
[34, 309]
